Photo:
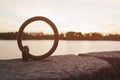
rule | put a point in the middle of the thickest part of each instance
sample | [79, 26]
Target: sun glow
[81, 15]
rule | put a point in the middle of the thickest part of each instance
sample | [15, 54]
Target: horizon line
[63, 32]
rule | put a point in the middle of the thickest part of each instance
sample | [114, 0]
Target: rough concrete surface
[113, 58]
[64, 67]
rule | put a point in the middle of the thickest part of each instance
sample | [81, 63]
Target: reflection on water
[10, 50]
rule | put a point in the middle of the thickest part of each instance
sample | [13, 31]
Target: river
[9, 48]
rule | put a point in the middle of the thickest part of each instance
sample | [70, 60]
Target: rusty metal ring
[56, 37]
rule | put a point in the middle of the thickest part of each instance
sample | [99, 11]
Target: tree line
[63, 36]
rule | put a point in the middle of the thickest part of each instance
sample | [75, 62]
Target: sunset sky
[68, 15]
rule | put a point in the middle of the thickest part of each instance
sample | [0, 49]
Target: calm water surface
[10, 50]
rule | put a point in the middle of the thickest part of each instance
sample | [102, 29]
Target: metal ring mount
[27, 55]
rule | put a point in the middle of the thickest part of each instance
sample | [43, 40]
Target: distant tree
[112, 37]
[96, 36]
[61, 36]
[79, 36]
[87, 36]
[70, 35]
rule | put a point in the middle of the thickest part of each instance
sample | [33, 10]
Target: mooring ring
[56, 37]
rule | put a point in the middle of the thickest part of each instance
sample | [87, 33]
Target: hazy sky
[68, 15]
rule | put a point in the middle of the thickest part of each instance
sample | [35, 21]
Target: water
[10, 50]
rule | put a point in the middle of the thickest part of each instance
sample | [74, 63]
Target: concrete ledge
[113, 58]
[105, 54]
[66, 67]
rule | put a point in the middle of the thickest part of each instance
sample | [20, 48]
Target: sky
[68, 15]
